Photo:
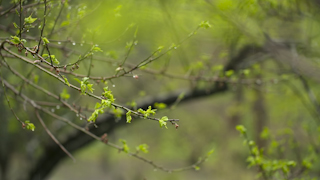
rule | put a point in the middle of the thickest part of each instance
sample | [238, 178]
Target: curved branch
[53, 154]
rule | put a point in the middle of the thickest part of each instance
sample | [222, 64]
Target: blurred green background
[279, 115]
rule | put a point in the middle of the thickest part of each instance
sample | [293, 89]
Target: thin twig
[7, 99]
[44, 91]
[75, 87]
[53, 137]
[56, 20]
[44, 24]
[20, 16]
[36, 106]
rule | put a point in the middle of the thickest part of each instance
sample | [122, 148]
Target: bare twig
[75, 87]
[43, 25]
[53, 137]
[37, 107]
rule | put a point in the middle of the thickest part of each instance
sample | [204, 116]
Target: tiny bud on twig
[176, 125]
[135, 76]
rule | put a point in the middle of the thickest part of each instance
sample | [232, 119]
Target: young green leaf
[64, 94]
[78, 80]
[89, 86]
[54, 59]
[15, 25]
[29, 20]
[197, 168]
[29, 125]
[125, 146]
[229, 73]
[205, 24]
[163, 121]
[108, 94]
[96, 49]
[15, 40]
[98, 105]
[45, 41]
[129, 118]
[66, 80]
[210, 152]
[160, 105]
[143, 148]
[241, 129]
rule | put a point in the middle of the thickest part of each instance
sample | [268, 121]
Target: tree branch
[53, 154]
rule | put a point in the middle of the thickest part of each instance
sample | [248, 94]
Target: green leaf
[96, 49]
[173, 46]
[160, 48]
[307, 164]
[133, 104]
[64, 94]
[205, 24]
[117, 11]
[163, 122]
[181, 96]
[197, 168]
[229, 73]
[36, 79]
[94, 115]
[15, 25]
[65, 23]
[15, 40]
[251, 143]
[112, 54]
[89, 86]
[45, 40]
[265, 133]
[97, 106]
[241, 129]
[29, 20]
[135, 33]
[106, 103]
[108, 94]
[143, 148]
[217, 68]
[246, 72]
[54, 59]
[30, 126]
[85, 80]
[129, 118]
[291, 163]
[78, 80]
[160, 105]
[148, 112]
[117, 112]
[83, 88]
[66, 80]
[210, 152]
[125, 146]
[129, 44]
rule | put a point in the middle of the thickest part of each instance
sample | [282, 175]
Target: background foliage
[246, 68]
